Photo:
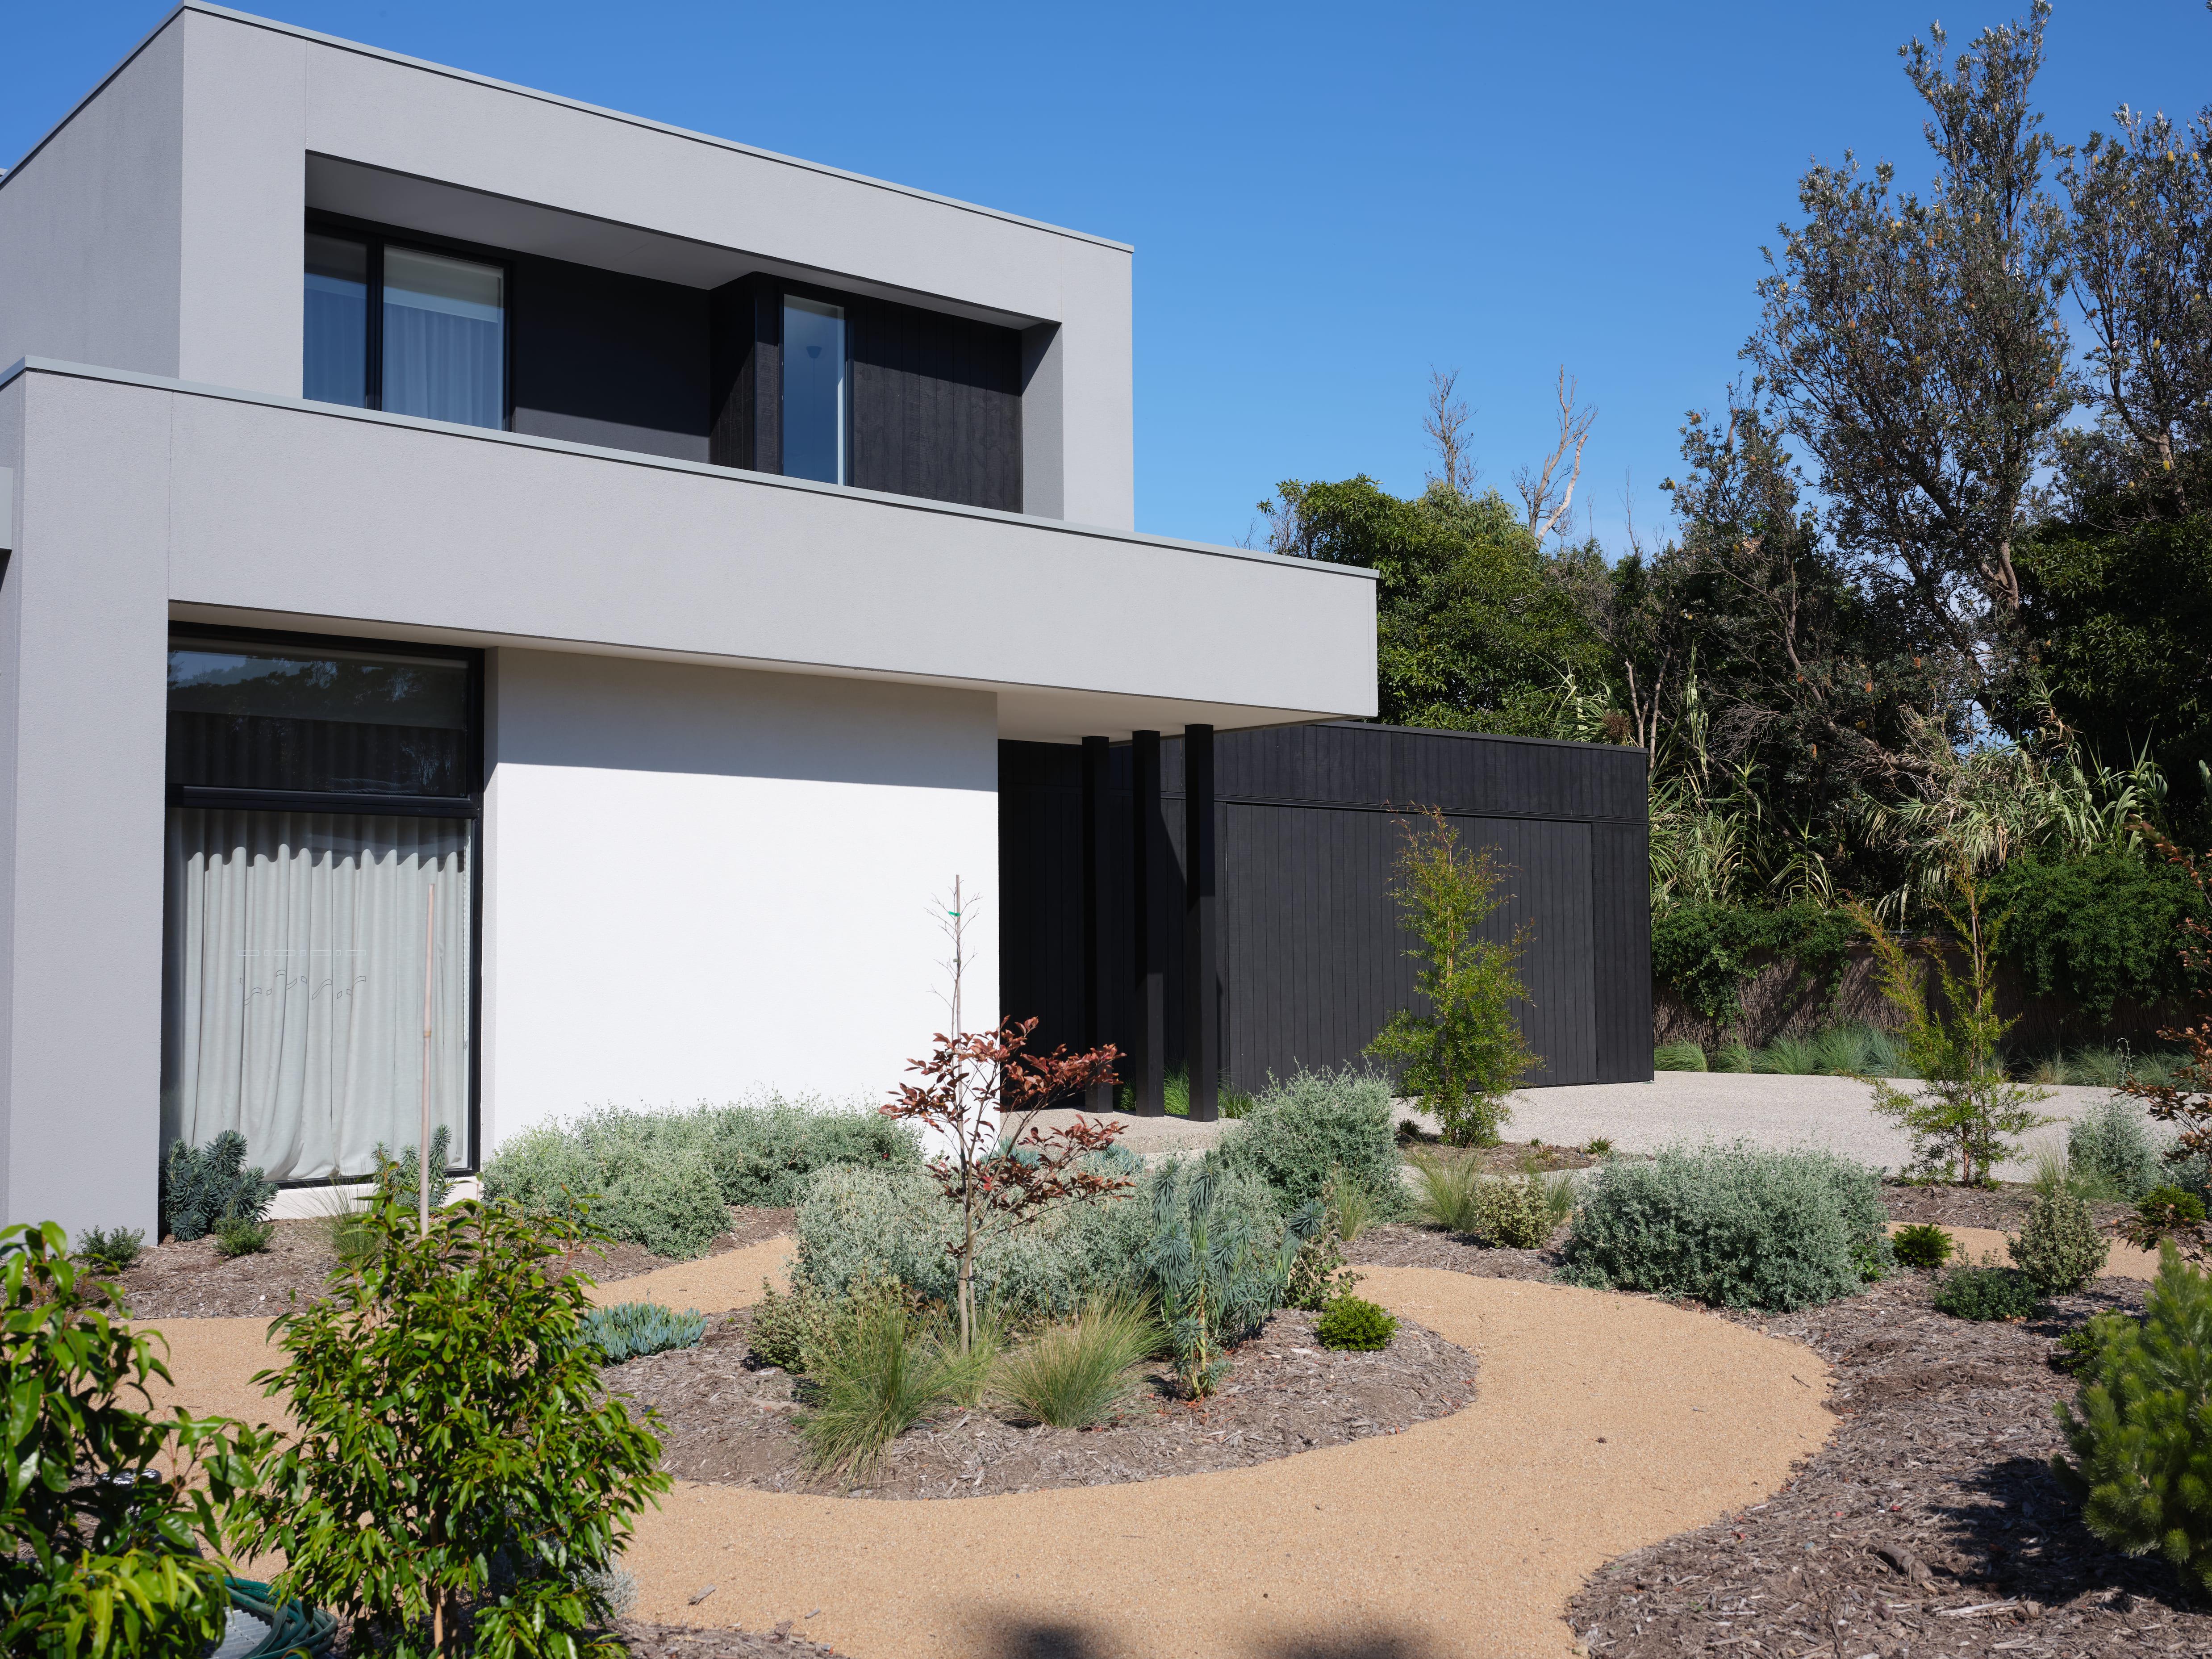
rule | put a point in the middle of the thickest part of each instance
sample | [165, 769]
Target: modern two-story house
[483, 564]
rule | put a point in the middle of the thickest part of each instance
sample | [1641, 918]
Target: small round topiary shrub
[1354, 1323]
[2059, 1248]
[1986, 1292]
[1924, 1247]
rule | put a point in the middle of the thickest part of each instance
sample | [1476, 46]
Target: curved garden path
[1601, 1423]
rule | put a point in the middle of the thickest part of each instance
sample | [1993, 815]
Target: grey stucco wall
[196, 157]
[83, 639]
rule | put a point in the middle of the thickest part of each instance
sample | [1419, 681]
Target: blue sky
[1325, 201]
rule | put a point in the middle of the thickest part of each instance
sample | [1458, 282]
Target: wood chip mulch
[725, 1423]
[191, 1281]
[2004, 1206]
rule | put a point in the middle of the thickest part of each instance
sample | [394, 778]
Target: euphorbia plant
[977, 1106]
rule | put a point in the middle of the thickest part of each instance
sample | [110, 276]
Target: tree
[978, 1104]
[1446, 423]
[1915, 348]
[1466, 1054]
[1474, 629]
[1544, 495]
[1965, 1116]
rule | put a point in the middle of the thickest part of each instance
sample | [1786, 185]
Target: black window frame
[377, 236]
[468, 807]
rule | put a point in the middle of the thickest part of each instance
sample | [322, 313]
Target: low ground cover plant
[665, 1179]
[110, 1249]
[201, 1185]
[630, 1330]
[234, 1236]
[1512, 1212]
[100, 1554]
[1321, 1134]
[2059, 1248]
[512, 1477]
[2141, 1428]
[1735, 1226]
[1986, 1291]
[1353, 1323]
[1923, 1247]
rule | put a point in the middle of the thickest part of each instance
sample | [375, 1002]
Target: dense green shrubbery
[2110, 1149]
[201, 1185]
[858, 1225]
[1987, 1291]
[2095, 929]
[110, 1249]
[665, 1179]
[97, 1561]
[1710, 952]
[1734, 1225]
[2141, 1431]
[1299, 1133]
[1354, 1324]
[2059, 1247]
[1924, 1247]
[510, 1478]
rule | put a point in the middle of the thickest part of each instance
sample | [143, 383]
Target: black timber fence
[1311, 958]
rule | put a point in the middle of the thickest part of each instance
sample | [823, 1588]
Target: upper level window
[405, 330]
[815, 416]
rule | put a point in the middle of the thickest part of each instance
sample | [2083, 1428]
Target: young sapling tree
[977, 1105]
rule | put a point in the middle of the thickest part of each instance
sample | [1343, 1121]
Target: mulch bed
[724, 1422]
[1930, 1522]
[2004, 1206]
[191, 1281]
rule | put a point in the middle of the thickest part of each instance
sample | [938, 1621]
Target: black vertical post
[1147, 1072]
[1201, 925]
[1097, 925]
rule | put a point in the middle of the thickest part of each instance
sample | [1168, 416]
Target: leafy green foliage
[1734, 1225]
[101, 1553]
[200, 1185]
[2096, 929]
[1077, 1372]
[456, 1455]
[1923, 1247]
[880, 1373]
[1986, 1292]
[1317, 1131]
[2141, 1428]
[789, 1326]
[1965, 1118]
[664, 1180]
[1463, 1056]
[2059, 1247]
[1710, 952]
[630, 1330]
[1318, 1272]
[110, 1249]
[1352, 1322]
[234, 1236]
[1473, 629]
[1216, 1276]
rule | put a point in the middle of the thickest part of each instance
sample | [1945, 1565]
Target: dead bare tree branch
[1446, 424]
[1546, 495]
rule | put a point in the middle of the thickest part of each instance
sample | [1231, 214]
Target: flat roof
[685, 133]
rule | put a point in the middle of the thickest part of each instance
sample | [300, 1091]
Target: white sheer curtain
[293, 994]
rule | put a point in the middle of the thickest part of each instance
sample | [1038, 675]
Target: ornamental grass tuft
[1077, 1372]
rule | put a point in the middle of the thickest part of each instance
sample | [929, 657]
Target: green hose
[293, 1628]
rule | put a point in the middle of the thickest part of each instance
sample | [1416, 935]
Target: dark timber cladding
[1311, 959]
[936, 399]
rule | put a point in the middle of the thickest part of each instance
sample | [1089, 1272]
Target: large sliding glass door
[321, 860]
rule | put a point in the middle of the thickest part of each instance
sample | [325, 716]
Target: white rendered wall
[698, 881]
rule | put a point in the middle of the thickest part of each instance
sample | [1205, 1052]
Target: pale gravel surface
[1770, 1110]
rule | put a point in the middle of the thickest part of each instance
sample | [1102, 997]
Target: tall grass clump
[665, 1180]
[880, 1374]
[1316, 1130]
[1734, 1225]
[1079, 1371]
[1683, 1056]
